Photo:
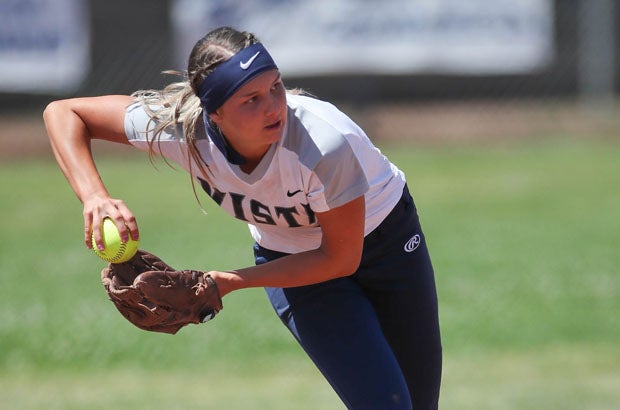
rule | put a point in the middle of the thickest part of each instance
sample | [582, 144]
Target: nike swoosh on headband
[247, 64]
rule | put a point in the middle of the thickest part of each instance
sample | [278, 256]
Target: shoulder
[315, 112]
[316, 127]
[138, 122]
[143, 121]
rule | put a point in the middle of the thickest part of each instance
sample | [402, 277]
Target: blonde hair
[178, 103]
[175, 104]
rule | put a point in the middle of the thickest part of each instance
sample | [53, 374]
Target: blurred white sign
[44, 45]
[387, 36]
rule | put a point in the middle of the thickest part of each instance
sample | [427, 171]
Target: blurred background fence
[482, 68]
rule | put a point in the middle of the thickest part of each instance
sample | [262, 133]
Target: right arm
[71, 126]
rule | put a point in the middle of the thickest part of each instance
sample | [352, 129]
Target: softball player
[338, 244]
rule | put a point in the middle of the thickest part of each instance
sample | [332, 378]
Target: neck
[252, 160]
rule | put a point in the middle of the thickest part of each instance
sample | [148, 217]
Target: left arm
[338, 255]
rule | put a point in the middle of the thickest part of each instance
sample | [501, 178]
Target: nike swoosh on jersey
[291, 194]
[247, 64]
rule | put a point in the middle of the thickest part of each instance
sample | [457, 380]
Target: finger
[96, 232]
[130, 223]
[123, 232]
[88, 220]
[110, 211]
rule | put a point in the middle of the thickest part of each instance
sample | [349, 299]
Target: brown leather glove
[156, 297]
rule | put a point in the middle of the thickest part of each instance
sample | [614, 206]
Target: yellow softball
[115, 250]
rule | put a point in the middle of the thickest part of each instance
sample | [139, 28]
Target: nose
[272, 106]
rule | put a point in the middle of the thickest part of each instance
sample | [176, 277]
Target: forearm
[300, 269]
[71, 126]
[71, 145]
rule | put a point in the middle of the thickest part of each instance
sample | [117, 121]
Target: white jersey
[322, 161]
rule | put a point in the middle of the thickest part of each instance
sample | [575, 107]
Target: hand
[96, 208]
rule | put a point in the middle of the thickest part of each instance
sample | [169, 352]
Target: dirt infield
[24, 135]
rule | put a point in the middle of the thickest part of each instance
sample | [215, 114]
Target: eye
[277, 88]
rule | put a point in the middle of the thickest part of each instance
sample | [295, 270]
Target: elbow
[342, 258]
[354, 263]
[52, 106]
[51, 110]
[348, 264]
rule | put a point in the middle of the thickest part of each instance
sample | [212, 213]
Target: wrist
[226, 281]
[94, 194]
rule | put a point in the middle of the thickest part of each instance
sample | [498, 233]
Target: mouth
[274, 126]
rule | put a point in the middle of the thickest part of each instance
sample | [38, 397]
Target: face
[254, 116]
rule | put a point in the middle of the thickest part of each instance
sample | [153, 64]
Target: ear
[216, 117]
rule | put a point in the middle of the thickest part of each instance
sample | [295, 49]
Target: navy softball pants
[374, 335]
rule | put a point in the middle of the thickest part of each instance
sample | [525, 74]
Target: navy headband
[229, 76]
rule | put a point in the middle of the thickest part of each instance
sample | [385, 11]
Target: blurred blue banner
[479, 37]
[44, 45]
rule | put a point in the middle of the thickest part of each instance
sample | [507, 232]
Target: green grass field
[524, 238]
